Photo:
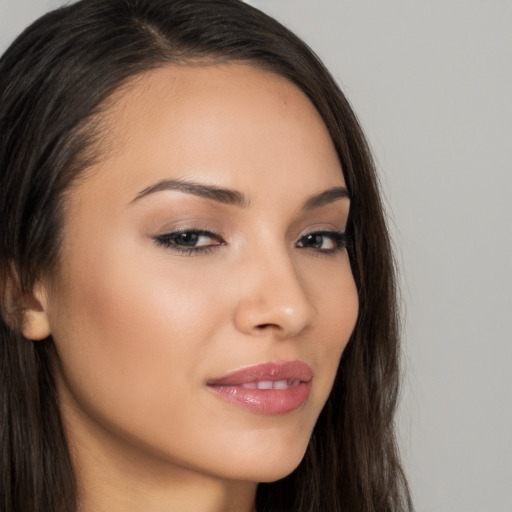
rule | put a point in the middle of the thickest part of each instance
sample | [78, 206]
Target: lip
[292, 378]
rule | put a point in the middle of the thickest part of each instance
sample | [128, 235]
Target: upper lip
[273, 371]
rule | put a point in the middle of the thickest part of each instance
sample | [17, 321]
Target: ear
[36, 324]
[25, 312]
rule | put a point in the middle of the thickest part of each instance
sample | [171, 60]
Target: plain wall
[431, 82]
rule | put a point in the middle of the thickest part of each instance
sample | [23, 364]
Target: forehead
[232, 125]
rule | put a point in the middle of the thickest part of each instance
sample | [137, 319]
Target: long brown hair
[55, 79]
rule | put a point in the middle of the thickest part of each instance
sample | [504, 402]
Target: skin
[139, 327]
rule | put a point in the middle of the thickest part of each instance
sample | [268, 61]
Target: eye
[190, 242]
[324, 241]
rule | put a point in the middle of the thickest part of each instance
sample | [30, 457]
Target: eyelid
[206, 231]
[170, 240]
[339, 238]
[166, 240]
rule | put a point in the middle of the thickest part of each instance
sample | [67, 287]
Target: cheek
[130, 344]
[334, 292]
[333, 289]
[342, 311]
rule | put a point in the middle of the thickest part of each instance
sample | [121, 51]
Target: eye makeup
[192, 226]
[191, 242]
[326, 242]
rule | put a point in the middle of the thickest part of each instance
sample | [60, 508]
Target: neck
[112, 483]
[116, 476]
[178, 496]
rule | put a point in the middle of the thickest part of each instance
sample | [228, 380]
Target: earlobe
[24, 312]
[36, 324]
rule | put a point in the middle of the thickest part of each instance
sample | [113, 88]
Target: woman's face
[207, 241]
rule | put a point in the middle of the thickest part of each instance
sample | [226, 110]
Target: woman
[198, 302]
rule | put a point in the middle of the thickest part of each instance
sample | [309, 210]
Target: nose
[272, 298]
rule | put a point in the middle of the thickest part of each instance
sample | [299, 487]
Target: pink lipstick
[270, 388]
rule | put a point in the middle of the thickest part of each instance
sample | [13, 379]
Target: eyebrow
[326, 197]
[221, 195]
[234, 197]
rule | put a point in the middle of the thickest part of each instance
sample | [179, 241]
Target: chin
[268, 465]
[265, 473]
[276, 474]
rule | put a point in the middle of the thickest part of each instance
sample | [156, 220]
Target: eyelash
[171, 241]
[339, 239]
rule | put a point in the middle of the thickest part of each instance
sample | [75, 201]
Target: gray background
[432, 84]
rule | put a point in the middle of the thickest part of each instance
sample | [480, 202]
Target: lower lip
[265, 401]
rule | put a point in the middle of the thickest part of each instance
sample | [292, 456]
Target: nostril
[263, 327]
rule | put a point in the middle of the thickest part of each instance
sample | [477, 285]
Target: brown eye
[324, 241]
[190, 241]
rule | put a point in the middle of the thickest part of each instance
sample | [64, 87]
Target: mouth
[271, 384]
[270, 388]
